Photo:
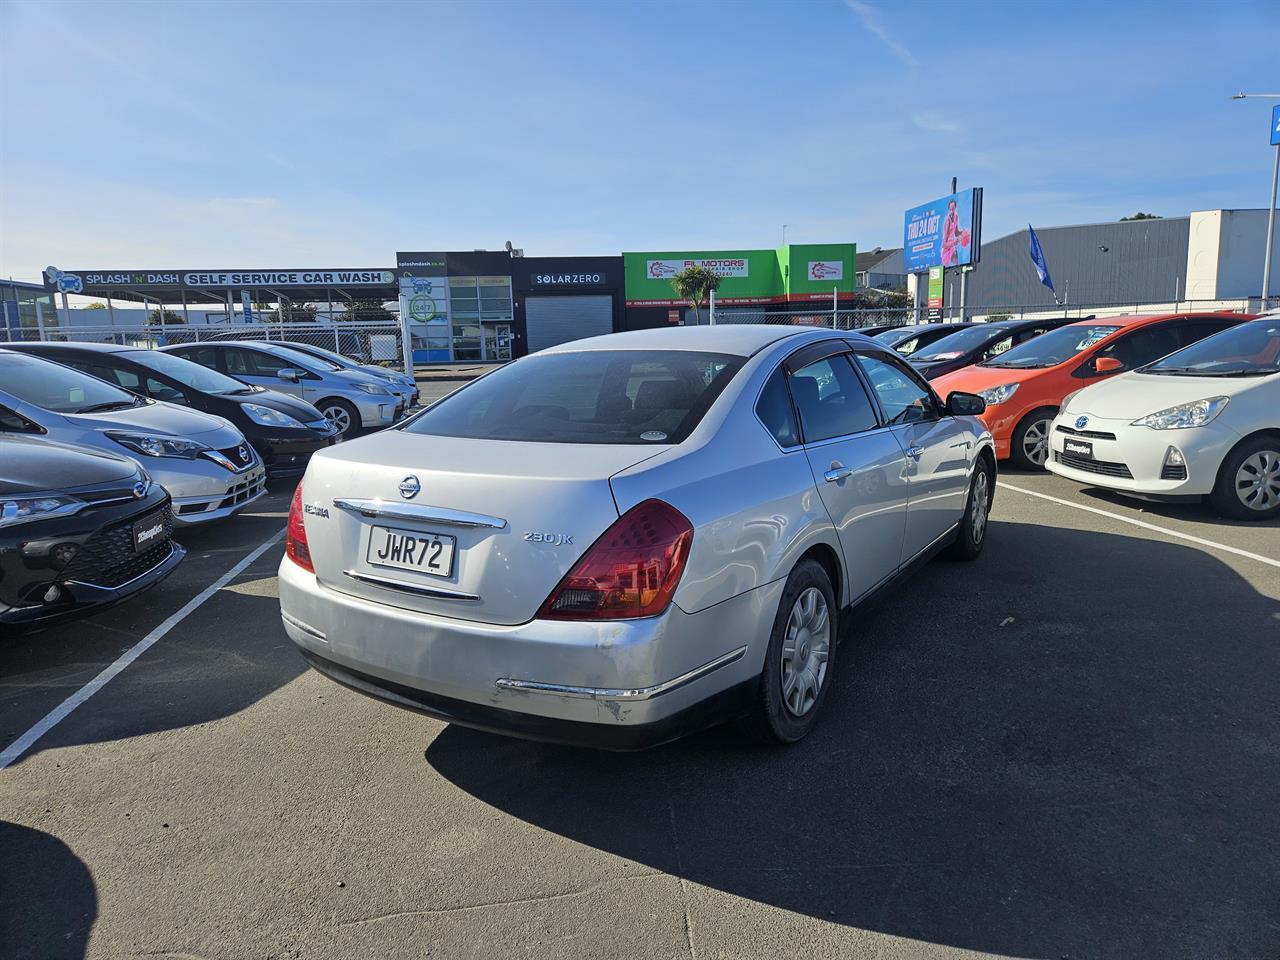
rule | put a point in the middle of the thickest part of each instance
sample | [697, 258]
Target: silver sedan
[621, 539]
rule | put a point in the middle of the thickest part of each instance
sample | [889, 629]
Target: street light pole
[1271, 207]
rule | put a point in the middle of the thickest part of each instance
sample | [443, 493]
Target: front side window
[58, 388]
[831, 400]
[1143, 346]
[194, 375]
[591, 396]
[902, 399]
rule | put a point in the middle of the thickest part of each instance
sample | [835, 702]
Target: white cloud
[935, 122]
[870, 18]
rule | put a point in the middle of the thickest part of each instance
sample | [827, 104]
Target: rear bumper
[621, 684]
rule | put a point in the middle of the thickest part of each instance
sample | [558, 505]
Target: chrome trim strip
[420, 512]
[304, 627]
[411, 587]
[608, 693]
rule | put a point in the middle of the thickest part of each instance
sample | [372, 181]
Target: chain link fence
[371, 342]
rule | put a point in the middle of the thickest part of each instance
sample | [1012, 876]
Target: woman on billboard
[953, 236]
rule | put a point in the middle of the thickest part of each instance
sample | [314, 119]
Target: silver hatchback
[205, 463]
[349, 399]
[624, 538]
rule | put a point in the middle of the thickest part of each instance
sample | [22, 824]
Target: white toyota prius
[1203, 422]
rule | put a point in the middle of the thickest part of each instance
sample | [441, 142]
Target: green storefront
[790, 279]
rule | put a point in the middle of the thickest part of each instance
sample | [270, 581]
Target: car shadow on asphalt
[48, 901]
[1082, 763]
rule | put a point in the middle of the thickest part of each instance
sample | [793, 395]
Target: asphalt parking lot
[1069, 749]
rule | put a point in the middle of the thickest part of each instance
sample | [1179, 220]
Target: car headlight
[1066, 401]
[270, 418]
[1194, 414]
[150, 446]
[374, 389]
[15, 510]
[998, 394]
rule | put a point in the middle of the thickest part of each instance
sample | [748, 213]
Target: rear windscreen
[592, 396]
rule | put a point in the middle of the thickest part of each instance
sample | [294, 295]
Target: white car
[1202, 422]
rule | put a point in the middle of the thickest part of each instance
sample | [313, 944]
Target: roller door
[553, 320]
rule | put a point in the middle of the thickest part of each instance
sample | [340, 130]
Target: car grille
[241, 463]
[107, 559]
[1094, 434]
[1093, 466]
[1174, 471]
[245, 490]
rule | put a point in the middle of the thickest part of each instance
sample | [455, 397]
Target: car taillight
[295, 542]
[631, 571]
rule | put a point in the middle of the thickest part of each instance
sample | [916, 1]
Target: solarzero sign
[569, 279]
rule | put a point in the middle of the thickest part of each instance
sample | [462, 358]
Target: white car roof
[743, 339]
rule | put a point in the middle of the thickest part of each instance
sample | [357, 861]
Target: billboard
[946, 232]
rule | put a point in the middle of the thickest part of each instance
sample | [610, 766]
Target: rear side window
[592, 396]
[831, 400]
[775, 411]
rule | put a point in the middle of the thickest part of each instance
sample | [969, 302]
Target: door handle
[837, 472]
[915, 453]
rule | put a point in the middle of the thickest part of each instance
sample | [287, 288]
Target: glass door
[497, 342]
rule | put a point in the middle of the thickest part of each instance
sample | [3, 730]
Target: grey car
[352, 401]
[205, 463]
[620, 539]
[401, 384]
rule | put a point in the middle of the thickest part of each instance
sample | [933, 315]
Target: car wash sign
[289, 278]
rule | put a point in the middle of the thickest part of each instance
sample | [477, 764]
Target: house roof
[868, 260]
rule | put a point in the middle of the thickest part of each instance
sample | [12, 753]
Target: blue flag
[1037, 257]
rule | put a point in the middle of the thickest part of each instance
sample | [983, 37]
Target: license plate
[419, 551]
[1078, 448]
[148, 532]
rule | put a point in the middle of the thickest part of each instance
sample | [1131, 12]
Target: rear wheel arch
[829, 560]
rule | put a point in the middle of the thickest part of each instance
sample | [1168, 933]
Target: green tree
[297, 312]
[96, 305]
[1142, 216]
[368, 311]
[165, 316]
[694, 285]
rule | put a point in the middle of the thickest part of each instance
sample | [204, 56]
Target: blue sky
[331, 134]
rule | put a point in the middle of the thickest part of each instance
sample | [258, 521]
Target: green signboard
[935, 293]
[794, 272]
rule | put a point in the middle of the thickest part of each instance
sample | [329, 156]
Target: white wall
[1224, 255]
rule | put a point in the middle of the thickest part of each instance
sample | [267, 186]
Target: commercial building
[788, 279]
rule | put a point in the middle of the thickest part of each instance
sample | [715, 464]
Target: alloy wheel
[339, 417]
[1258, 480]
[1035, 442]
[805, 651]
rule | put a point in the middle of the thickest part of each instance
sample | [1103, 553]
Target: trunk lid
[520, 515]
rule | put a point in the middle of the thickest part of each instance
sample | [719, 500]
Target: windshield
[1249, 350]
[1055, 347]
[302, 360]
[337, 359]
[897, 334]
[60, 389]
[594, 396]
[187, 373]
[961, 342]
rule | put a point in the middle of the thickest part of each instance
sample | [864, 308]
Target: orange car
[1025, 386]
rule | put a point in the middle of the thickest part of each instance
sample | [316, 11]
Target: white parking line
[59, 713]
[1212, 544]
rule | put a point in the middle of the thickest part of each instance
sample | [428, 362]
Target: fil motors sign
[666, 269]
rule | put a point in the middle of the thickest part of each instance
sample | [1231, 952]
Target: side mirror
[290, 374]
[965, 404]
[1107, 365]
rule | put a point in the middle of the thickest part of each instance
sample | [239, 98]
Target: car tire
[342, 414]
[973, 525]
[1248, 486]
[799, 663]
[1030, 447]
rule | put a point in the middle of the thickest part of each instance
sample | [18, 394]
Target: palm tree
[695, 284]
